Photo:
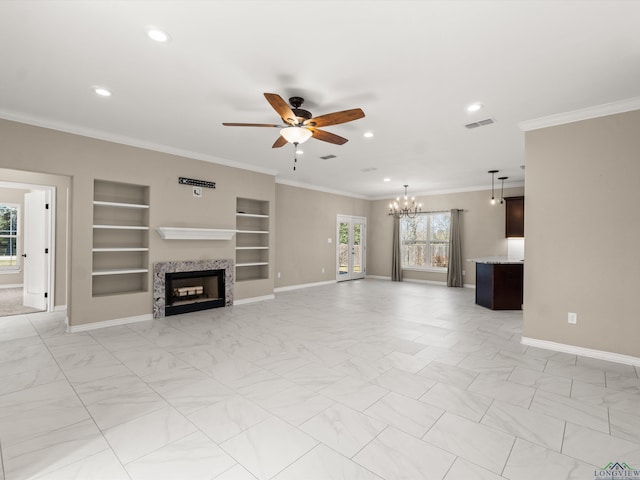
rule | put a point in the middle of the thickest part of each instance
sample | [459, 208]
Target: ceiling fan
[300, 124]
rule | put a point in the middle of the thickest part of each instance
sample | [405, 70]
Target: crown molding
[582, 114]
[310, 186]
[131, 142]
[482, 188]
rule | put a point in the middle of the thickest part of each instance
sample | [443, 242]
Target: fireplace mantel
[183, 233]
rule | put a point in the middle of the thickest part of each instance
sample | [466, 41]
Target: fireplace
[193, 291]
[190, 286]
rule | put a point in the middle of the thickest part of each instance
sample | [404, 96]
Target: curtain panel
[454, 271]
[396, 260]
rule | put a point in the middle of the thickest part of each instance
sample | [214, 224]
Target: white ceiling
[412, 66]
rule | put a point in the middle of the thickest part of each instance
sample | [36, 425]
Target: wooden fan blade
[227, 124]
[280, 142]
[335, 118]
[328, 137]
[282, 107]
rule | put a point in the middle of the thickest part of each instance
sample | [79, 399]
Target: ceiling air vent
[480, 123]
[328, 157]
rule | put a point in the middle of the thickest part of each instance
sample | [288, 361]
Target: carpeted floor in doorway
[11, 302]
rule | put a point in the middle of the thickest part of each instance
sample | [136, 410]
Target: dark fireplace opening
[193, 291]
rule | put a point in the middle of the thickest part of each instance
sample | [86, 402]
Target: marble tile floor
[358, 380]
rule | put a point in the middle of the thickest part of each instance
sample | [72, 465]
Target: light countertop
[496, 259]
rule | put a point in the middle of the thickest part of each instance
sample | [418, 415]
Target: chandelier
[408, 208]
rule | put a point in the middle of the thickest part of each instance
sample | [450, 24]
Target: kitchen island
[499, 283]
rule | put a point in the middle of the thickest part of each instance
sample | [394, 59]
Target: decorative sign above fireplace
[196, 183]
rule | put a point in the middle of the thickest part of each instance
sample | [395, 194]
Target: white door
[350, 253]
[35, 255]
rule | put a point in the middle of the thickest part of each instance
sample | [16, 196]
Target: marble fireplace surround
[161, 268]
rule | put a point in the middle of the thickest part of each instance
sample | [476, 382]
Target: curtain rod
[443, 211]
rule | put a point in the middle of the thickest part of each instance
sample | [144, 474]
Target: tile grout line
[564, 433]
[83, 405]
[2, 461]
[506, 462]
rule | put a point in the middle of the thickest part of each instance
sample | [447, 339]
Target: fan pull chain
[295, 155]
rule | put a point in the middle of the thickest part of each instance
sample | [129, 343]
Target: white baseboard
[303, 285]
[108, 323]
[417, 280]
[254, 299]
[11, 285]
[430, 282]
[60, 308]
[584, 352]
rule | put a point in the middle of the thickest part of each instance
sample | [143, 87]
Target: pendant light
[502, 189]
[493, 174]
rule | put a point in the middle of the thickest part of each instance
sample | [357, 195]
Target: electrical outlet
[329, 240]
[464, 272]
[322, 269]
[278, 274]
[572, 318]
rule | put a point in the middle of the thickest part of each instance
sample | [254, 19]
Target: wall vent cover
[480, 123]
[328, 157]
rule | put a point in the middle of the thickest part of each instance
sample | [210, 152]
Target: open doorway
[27, 248]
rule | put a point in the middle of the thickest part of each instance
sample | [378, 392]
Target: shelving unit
[120, 238]
[252, 239]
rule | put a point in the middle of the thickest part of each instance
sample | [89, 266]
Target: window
[8, 237]
[424, 241]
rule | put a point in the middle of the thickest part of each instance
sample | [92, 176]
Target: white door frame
[50, 237]
[351, 219]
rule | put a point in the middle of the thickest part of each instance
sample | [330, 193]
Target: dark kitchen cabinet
[514, 221]
[499, 285]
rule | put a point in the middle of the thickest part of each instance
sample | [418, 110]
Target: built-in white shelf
[182, 233]
[122, 227]
[120, 238]
[120, 271]
[125, 249]
[252, 244]
[251, 215]
[119, 204]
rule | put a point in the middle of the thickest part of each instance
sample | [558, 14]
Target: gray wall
[305, 221]
[35, 149]
[482, 228]
[582, 234]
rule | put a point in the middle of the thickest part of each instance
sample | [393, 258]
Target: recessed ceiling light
[368, 134]
[474, 107]
[103, 92]
[158, 35]
[387, 179]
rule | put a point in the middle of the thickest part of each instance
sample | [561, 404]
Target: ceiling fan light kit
[296, 135]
